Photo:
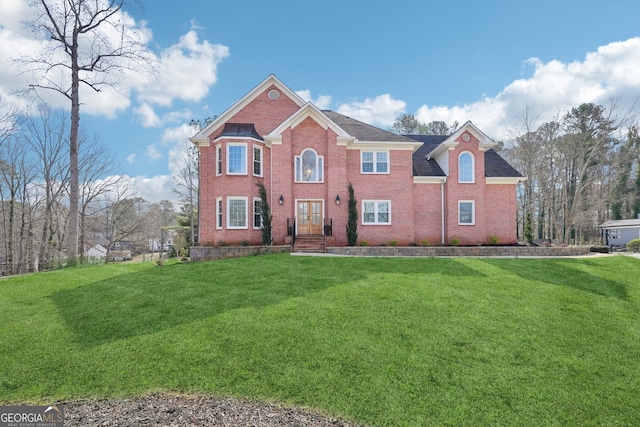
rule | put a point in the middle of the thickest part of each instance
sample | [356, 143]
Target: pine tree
[352, 223]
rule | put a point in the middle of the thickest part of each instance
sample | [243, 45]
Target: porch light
[338, 200]
[281, 199]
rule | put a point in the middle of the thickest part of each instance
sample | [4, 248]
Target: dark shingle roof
[494, 165]
[497, 167]
[422, 166]
[239, 130]
[363, 131]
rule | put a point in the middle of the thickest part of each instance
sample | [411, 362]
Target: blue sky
[455, 60]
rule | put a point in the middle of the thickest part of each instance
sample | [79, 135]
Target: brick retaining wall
[461, 251]
[204, 253]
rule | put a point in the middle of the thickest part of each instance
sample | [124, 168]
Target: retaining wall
[460, 251]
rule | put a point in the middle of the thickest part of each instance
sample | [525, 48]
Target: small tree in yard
[528, 229]
[265, 214]
[352, 223]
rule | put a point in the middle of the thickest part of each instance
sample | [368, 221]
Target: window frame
[374, 162]
[257, 213]
[230, 200]
[218, 160]
[473, 212]
[297, 167]
[260, 161]
[376, 212]
[472, 167]
[219, 214]
[244, 157]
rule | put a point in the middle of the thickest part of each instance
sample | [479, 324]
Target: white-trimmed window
[236, 212]
[219, 213]
[466, 212]
[219, 160]
[374, 162]
[466, 168]
[257, 213]
[257, 160]
[376, 212]
[309, 166]
[236, 158]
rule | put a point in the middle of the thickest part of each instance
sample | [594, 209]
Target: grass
[381, 341]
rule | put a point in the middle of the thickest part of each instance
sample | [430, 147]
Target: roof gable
[307, 111]
[202, 137]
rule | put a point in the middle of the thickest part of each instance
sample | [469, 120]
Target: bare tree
[46, 134]
[121, 212]
[98, 176]
[93, 39]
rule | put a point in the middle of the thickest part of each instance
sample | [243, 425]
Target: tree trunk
[72, 246]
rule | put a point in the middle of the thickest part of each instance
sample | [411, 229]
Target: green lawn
[380, 341]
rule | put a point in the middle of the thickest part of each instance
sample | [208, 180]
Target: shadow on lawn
[160, 298]
[562, 273]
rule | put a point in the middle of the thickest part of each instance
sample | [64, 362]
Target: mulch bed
[186, 411]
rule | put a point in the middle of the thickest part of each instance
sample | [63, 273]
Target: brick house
[411, 189]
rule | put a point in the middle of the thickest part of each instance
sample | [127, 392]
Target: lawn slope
[383, 341]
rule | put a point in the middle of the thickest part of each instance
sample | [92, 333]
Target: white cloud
[182, 71]
[380, 111]
[148, 117]
[152, 153]
[611, 71]
[155, 188]
[323, 102]
[131, 158]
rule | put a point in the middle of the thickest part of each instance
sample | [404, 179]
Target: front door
[309, 217]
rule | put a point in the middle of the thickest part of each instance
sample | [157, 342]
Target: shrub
[634, 245]
[424, 242]
[455, 241]
[221, 243]
[393, 243]
[352, 222]
[364, 243]
[413, 244]
[493, 239]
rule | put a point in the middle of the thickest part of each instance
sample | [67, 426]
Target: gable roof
[308, 110]
[621, 223]
[202, 137]
[497, 167]
[363, 131]
[423, 165]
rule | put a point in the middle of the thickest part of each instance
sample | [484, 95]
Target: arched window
[309, 166]
[466, 167]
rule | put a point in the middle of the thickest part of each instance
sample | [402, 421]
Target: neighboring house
[620, 232]
[95, 251]
[411, 189]
[120, 251]
[157, 246]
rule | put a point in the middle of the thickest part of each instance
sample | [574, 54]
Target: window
[219, 212]
[465, 168]
[257, 161]
[466, 212]
[257, 213]
[219, 160]
[615, 234]
[376, 212]
[309, 166]
[236, 212]
[236, 159]
[374, 162]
